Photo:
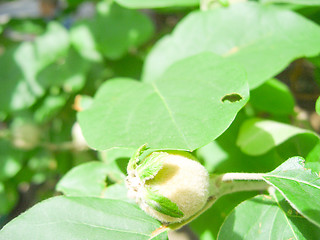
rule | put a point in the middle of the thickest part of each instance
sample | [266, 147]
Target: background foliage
[235, 82]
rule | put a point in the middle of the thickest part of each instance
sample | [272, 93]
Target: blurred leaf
[157, 3]
[264, 217]
[68, 72]
[318, 105]
[179, 111]
[252, 34]
[274, 97]
[49, 107]
[77, 218]
[258, 136]
[111, 33]
[299, 186]
[11, 160]
[300, 2]
[88, 179]
[19, 66]
[8, 198]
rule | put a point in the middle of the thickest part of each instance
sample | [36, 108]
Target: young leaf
[251, 34]
[263, 218]
[151, 165]
[299, 186]
[80, 218]
[162, 204]
[182, 110]
[135, 159]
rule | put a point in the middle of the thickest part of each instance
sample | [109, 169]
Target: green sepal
[151, 165]
[135, 159]
[162, 204]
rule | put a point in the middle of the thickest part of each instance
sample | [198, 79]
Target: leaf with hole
[182, 110]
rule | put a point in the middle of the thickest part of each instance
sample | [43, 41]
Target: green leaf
[264, 217]
[116, 191]
[318, 105]
[135, 159]
[223, 155]
[162, 204]
[207, 225]
[182, 110]
[11, 160]
[50, 106]
[258, 136]
[151, 165]
[300, 2]
[251, 34]
[80, 218]
[68, 72]
[299, 186]
[18, 86]
[8, 197]
[157, 3]
[274, 97]
[88, 179]
[111, 33]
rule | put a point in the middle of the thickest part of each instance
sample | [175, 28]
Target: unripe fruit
[180, 179]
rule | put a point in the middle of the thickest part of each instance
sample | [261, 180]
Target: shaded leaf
[274, 97]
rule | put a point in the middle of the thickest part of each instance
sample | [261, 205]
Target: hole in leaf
[232, 97]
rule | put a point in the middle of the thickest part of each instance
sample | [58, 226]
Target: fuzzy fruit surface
[184, 181]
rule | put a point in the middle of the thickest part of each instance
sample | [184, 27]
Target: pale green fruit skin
[184, 181]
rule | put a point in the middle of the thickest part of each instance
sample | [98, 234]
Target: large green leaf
[185, 109]
[88, 179]
[80, 218]
[263, 38]
[19, 66]
[300, 2]
[112, 32]
[257, 136]
[263, 217]
[299, 186]
[157, 3]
